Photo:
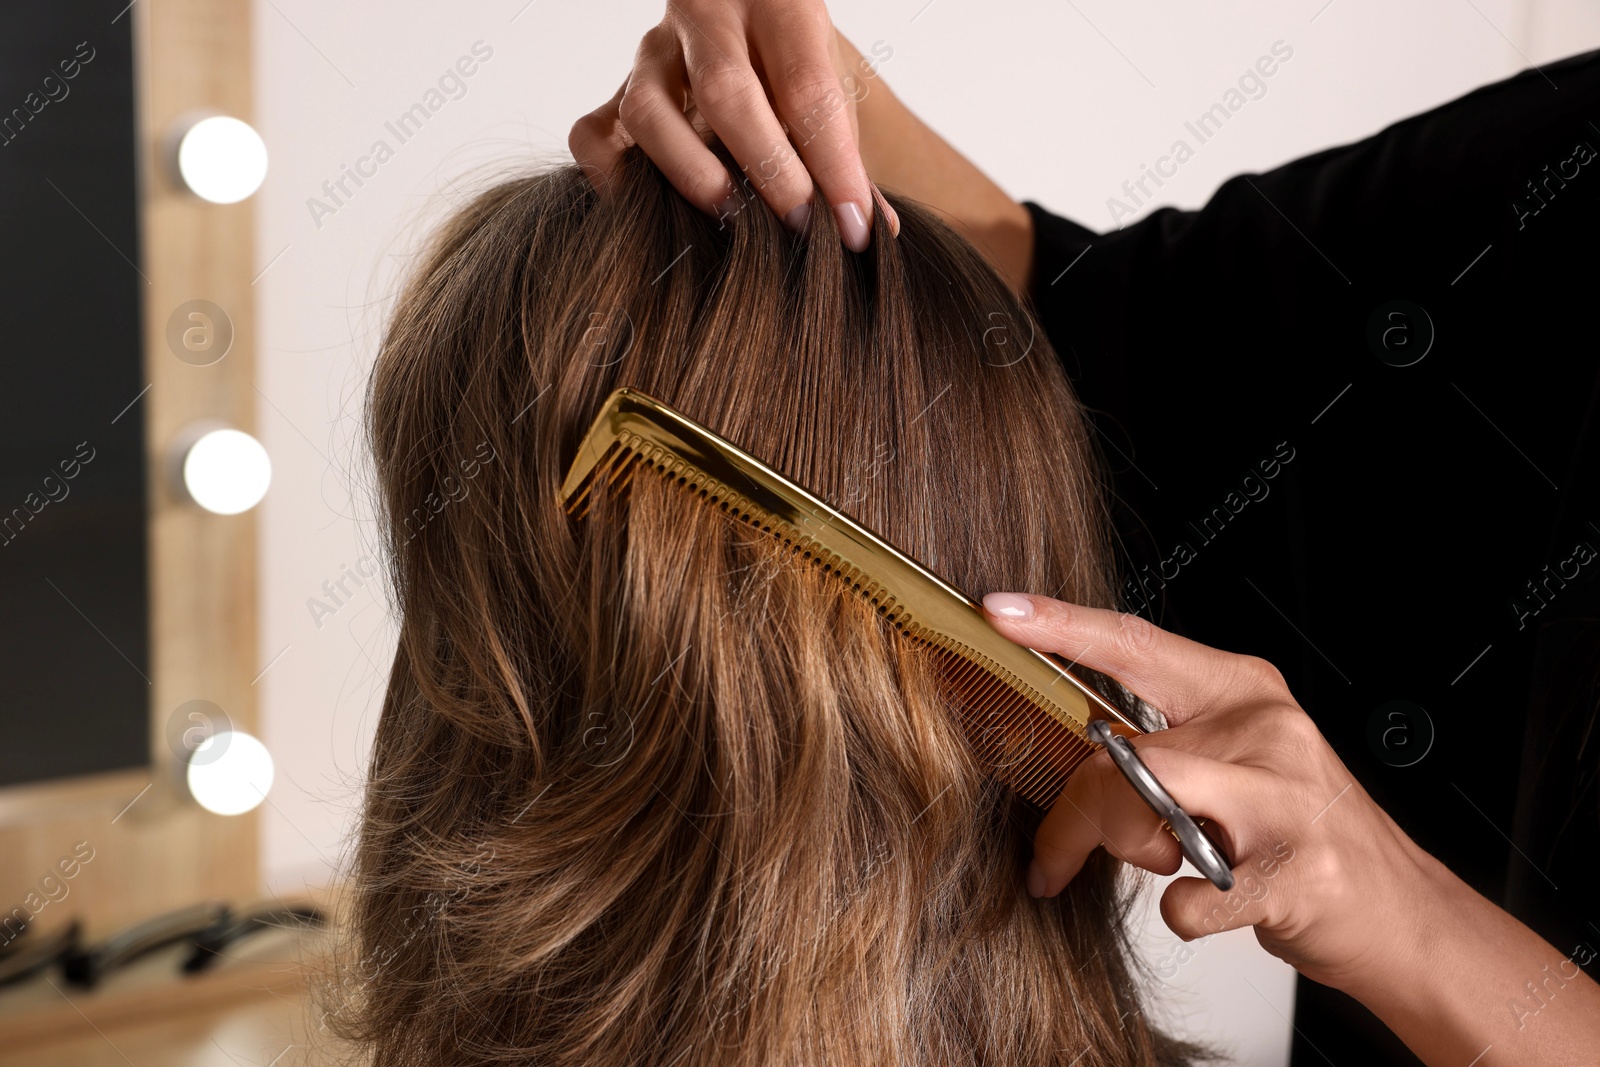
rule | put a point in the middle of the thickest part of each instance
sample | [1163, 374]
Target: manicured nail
[890, 215]
[795, 220]
[852, 226]
[1036, 883]
[1008, 605]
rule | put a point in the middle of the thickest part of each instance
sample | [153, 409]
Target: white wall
[1060, 102]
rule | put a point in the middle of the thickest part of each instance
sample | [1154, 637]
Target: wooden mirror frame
[154, 848]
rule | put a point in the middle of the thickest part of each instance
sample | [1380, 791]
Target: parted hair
[647, 789]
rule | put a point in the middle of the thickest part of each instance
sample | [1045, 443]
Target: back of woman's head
[647, 789]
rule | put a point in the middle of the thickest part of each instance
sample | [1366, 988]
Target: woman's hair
[646, 788]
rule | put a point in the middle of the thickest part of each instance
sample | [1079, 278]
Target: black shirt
[1348, 410]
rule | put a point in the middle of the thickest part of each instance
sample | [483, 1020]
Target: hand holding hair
[1331, 884]
[800, 109]
[777, 86]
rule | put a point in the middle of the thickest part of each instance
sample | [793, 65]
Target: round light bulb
[230, 772]
[226, 471]
[222, 159]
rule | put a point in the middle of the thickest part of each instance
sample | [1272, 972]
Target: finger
[651, 112]
[1099, 806]
[598, 139]
[1181, 677]
[813, 101]
[1193, 907]
[729, 96]
[890, 215]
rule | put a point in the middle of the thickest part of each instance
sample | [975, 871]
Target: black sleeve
[1348, 414]
[1406, 211]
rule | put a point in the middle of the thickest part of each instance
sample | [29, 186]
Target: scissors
[1198, 847]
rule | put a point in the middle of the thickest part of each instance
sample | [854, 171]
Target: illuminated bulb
[222, 159]
[226, 471]
[230, 773]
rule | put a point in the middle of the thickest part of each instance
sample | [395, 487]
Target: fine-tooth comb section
[1024, 715]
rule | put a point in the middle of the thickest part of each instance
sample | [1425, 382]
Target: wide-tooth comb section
[1015, 740]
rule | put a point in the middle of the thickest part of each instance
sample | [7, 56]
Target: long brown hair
[646, 790]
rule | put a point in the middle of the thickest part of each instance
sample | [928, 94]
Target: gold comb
[1025, 714]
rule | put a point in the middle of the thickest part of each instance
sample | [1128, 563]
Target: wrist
[1423, 905]
[1444, 942]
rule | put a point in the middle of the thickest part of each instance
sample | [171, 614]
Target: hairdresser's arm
[1331, 884]
[904, 154]
[802, 111]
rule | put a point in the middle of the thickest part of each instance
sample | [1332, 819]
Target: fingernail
[1008, 605]
[852, 226]
[1036, 883]
[729, 206]
[796, 219]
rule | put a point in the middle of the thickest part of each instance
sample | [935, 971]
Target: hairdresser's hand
[775, 82]
[1330, 882]
[1312, 852]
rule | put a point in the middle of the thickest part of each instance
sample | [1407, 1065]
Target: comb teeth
[1015, 739]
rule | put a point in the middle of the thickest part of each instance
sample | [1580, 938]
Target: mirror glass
[74, 602]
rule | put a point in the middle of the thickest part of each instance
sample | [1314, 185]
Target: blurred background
[206, 205]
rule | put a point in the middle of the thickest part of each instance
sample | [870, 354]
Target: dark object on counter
[86, 967]
[209, 945]
[24, 957]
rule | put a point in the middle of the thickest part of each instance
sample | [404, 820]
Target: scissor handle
[1198, 848]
